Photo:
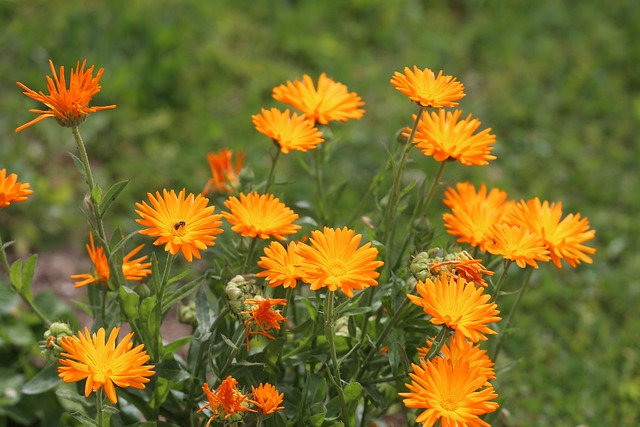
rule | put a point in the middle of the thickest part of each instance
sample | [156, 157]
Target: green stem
[259, 421]
[438, 342]
[423, 204]
[232, 354]
[99, 418]
[389, 219]
[272, 171]
[318, 160]
[29, 302]
[159, 297]
[329, 332]
[383, 335]
[505, 269]
[516, 305]
[252, 247]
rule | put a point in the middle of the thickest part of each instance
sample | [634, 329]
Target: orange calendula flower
[564, 238]
[133, 269]
[263, 316]
[458, 305]
[12, 191]
[330, 101]
[334, 261]
[466, 351]
[281, 266]
[103, 363]
[288, 131]
[428, 90]
[180, 222]
[226, 401]
[445, 137]
[224, 172]
[267, 399]
[262, 216]
[518, 244]
[473, 213]
[454, 395]
[69, 106]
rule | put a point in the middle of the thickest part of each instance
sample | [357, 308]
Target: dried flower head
[69, 106]
[226, 401]
[263, 316]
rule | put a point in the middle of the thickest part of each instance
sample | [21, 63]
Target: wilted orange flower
[224, 172]
[564, 238]
[473, 212]
[465, 351]
[428, 90]
[103, 364]
[518, 244]
[226, 401]
[464, 266]
[333, 260]
[444, 137]
[454, 395]
[12, 191]
[266, 398]
[289, 132]
[281, 266]
[458, 305]
[330, 101]
[181, 223]
[134, 269]
[69, 106]
[262, 216]
[263, 316]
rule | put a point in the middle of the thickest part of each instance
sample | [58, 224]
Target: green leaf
[79, 165]
[182, 292]
[86, 421]
[43, 381]
[74, 397]
[178, 276]
[318, 412]
[129, 300]
[177, 344]
[202, 315]
[27, 276]
[229, 342]
[116, 244]
[15, 275]
[163, 387]
[352, 394]
[171, 370]
[111, 196]
[96, 194]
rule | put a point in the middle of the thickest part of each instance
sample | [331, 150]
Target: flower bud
[51, 347]
[238, 290]
[187, 314]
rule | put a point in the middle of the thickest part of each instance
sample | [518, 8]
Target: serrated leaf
[111, 196]
[43, 381]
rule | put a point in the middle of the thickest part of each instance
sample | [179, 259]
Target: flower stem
[507, 264]
[516, 305]
[389, 219]
[252, 247]
[423, 204]
[438, 342]
[272, 171]
[161, 284]
[99, 418]
[329, 332]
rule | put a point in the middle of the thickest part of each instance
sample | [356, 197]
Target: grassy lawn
[557, 81]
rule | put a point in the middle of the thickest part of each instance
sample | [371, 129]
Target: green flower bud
[187, 314]
[51, 348]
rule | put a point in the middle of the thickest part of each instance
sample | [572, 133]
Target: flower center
[179, 228]
[449, 403]
[336, 268]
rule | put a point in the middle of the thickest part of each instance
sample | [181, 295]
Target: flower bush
[413, 333]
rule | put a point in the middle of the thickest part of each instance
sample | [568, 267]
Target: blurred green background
[557, 81]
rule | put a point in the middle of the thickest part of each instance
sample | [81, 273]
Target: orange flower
[330, 101]
[454, 395]
[224, 173]
[444, 137]
[289, 132]
[564, 238]
[70, 107]
[465, 351]
[262, 216]
[464, 266]
[427, 90]
[132, 269]
[473, 212]
[226, 401]
[181, 223]
[103, 364]
[263, 316]
[281, 266]
[12, 191]
[267, 399]
[518, 244]
[458, 305]
[334, 261]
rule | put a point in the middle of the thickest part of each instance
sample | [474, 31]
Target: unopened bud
[187, 314]
[52, 336]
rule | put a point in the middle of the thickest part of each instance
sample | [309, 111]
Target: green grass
[557, 82]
